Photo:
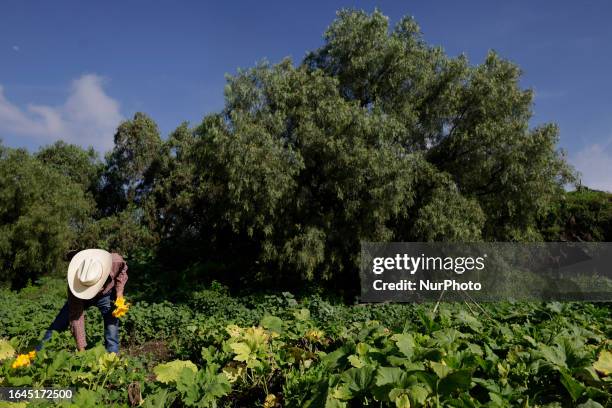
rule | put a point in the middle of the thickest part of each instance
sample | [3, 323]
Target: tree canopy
[43, 212]
[374, 136]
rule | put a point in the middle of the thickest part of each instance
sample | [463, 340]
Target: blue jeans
[111, 324]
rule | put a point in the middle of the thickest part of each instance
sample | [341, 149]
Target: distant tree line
[375, 136]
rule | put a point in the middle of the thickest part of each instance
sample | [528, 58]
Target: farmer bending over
[95, 278]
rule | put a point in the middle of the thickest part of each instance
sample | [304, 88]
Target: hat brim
[76, 287]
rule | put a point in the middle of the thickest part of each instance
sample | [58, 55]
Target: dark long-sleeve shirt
[117, 280]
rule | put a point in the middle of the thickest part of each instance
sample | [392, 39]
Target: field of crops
[211, 349]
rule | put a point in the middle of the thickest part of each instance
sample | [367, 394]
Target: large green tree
[42, 213]
[580, 215]
[376, 136]
[79, 165]
[136, 145]
[471, 122]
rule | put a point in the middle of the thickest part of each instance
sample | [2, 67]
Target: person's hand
[122, 307]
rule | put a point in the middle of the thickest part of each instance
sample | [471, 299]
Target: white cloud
[595, 165]
[88, 117]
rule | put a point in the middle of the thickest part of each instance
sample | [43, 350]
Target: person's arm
[121, 280]
[77, 321]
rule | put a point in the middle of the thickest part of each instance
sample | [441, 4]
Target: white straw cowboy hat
[88, 271]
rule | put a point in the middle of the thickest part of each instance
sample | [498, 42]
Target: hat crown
[89, 271]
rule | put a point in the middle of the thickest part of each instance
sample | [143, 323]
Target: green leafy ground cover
[213, 349]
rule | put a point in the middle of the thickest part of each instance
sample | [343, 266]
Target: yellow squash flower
[270, 401]
[315, 335]
[22, 360]
[122, 307]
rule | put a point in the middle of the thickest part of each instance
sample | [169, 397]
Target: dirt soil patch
[155, 350]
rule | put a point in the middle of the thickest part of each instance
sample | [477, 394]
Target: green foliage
[124, 233]
[42, 213]
[472, 121]
[376, 136]
[6, 350]
[604, 363]
[169, 207]
[204, 388]
[581, 215]
[137, 143]
[171, 371]
[312, 353]
[79, 165]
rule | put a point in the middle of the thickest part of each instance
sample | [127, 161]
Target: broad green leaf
[398, 361]
[587, 374]
[590, 404]
[332, 402]
[596, 393]
[157, 400]
[496, 399]
[604, 363]
[82, 377]
[402, 401]
[553, 355]
[320, 394]
[272, 323]
[440, 369]
[469, 320]
[530, 340]
[59, 359]
[86, 398]
[418, 394]
[396, 393]
[217, 386]
[302, 314]
[405, 344]
[255, 364]
[425, 377]
[242, 351]
[334, 359]
[19, 381]
[170, 372]
[447, 337]
[556, 307]
[6, 350]
[358, 379]
[389, 375]
[362, 349]
[476, 349]
[107, 361]
[342, 393]
[573, 387]
[432, 354]
[458, 380]
[355, 361]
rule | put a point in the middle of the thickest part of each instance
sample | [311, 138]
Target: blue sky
[73, 70]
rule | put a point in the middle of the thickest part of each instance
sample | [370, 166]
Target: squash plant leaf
[170, 372]
[272, 323]
[6, 350]
[456, 381]
[604, 363]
